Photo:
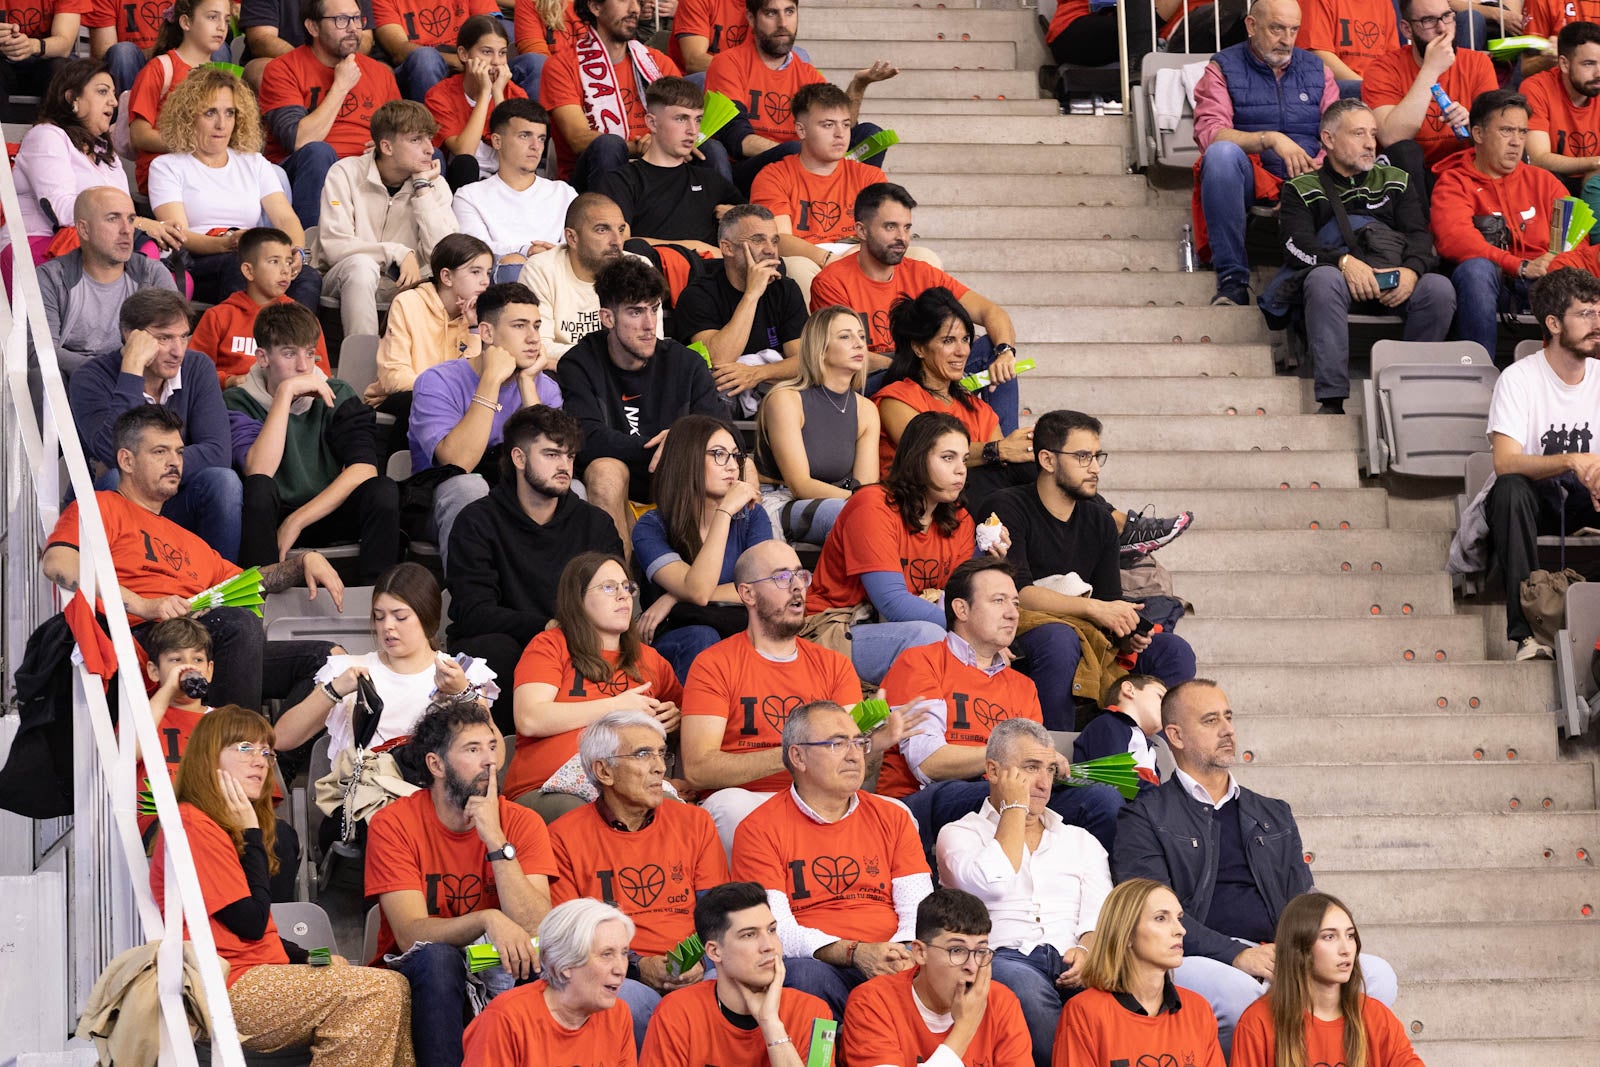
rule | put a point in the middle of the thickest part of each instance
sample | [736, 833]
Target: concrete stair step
[1230, 470]
[1230, 593]
[1044, 190]
[1007, 105]
[1077, 288]
[1152, 359]
[1360, 640]
[976, 133]
[1125, 256]
[1288, 740]
[1172, 325]
[1499, 1051]
[1046, 388]
[1382, 688]
[1012, 159]
[896, 8]
[1007, 83]
[1305, 551]
[1481, 1012]
[1463, 896]
[871, 24]
[1436, 514]
[1524, 951]
[1388, 788]
[1552, 841]
[1224, 433]
[1266, 509]
[940, 221]
[926, 53]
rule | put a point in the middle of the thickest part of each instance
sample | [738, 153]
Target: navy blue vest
[1262, 101]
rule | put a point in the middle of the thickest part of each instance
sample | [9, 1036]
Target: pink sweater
[50, 168]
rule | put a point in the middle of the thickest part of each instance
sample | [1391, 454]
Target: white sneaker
[1530, 648]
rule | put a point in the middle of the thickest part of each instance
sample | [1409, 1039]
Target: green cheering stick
[881, 141]
[147, 800]
[1511, 47]
[243, 590]
[705, 353]
[973, 382]
[1117, 771]
[482, 957]
[319, 957]
[823, 1032]
[870, 714]
[682, 959]
[718, 113]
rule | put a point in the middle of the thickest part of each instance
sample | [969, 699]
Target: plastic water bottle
[1186, 249]
[1440, 98]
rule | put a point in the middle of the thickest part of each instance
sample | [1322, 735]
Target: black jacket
[1384, 194]
[1167, 835]
[504, 568]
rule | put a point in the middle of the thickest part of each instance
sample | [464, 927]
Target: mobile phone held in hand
[1387, 279]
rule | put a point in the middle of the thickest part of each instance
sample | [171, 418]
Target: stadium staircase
[1424, 769]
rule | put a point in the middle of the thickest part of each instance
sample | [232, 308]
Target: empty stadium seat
[306, 924]
[291, 617]
[1575, 648]
[1427, 404]
[1171, 148]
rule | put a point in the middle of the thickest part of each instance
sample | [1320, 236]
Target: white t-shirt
[214, 197]
[404, 696]
[1543, 414]
[508, 221]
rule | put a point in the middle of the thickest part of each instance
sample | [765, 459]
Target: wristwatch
[506, 852]
[1005, 348]
[991, 451]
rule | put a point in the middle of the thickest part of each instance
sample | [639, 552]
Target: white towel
[1174, 93]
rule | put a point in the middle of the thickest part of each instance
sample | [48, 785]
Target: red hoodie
[226, 333]
[1523, 198]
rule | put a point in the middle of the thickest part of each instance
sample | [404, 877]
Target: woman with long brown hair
[1317, 1009]
[591, 663]
[350, 1016]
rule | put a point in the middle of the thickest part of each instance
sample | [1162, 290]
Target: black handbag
[1375, 244]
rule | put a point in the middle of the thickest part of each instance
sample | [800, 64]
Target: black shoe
[1143, 534]
[1332, 406]
[1235, 295]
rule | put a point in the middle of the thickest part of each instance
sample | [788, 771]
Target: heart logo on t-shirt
[836, 874]
[1583, 143]
[989, 713]
[923, 574]
[1154, 1059]
[1367, 33]
[880, 326]
[824, 215]
[734, 36]
[151, 16]
[462, 892]
[777, 105]
[642, 884]
[30, 21]
[1435, 121]
[777, 710]
[615, 685]
[348, 106]
[1324, 1063]
[435, 20]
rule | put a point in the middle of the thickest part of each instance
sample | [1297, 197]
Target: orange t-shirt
[1255, 1042]
[1358, 32]
[150, 90]
[732, 681]
[821, 207]
[35, 16]
[176, 727]
[154, 557]
[1389, 78]
[652, 874]
[546, 660]
[222, 882]
[433, 23]
[980, 420]
[448, 104]
[975, 702]
[1095, 1030]
[1065, 15]
[517, 1028]
[841, 282]
[532, 35]
[1547, 18]
[883, 1026]
[741, 75]
[722, 23]
[560, 85]
[136, 22]
[688, 1027]
[226, 333]
[1573, 130]
[838, 876]
[300, 79]
[871, 536]
[409, 848]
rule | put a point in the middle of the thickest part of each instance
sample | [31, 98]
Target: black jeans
[1520, 510]
[370, 515]
[249, 668]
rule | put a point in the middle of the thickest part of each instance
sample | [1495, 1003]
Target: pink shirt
[1213, 107]
[50, 168]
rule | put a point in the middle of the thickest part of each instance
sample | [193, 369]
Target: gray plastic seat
[1427, 405]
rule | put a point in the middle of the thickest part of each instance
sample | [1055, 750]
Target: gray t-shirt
[82, 313]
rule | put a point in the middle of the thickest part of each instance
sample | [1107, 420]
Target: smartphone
[464, 661]
[1387, 279]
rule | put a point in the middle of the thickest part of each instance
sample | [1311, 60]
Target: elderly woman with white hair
[572, 1015]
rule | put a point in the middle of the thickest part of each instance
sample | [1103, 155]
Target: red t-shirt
[1065, 15]
[653, 874]
[975, 702]
[1547, 18]
[226, 333]
[871, 536]
[821, 207]
[300, 79]
[150, 90]
[1255, 1042]
[35, 16]
[154, 557]
[721, 22]
[841, 282]
[980, 419]
[838, 876]
[136, 21]
[517, 1028]
[546, 660]
[1358, 32]
[430, 23]
[1389, 78]
[688, 1027]
[409, 848]
[1574, 129]
[448, 104]
[764, 93]
[176, 727]
[883, 1026]
[732, 681]
[222, 882]
[560, 85]
[1095, 1030]
[532, 35]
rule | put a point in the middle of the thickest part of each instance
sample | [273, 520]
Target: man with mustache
[1332, 274]
[452, 864]
[1564, 121]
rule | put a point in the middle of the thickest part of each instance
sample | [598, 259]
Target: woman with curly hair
[215, 184]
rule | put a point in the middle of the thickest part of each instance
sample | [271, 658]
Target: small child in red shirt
[226, 331]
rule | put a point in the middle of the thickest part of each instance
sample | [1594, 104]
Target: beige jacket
[123, 1016]
[359, 218]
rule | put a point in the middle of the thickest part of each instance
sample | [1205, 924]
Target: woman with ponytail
[194, 33]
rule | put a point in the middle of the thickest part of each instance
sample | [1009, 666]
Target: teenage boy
[308, 448]
[1129, 724]
[514, 211]
[226, 331]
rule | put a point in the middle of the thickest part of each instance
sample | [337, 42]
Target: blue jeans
[938, 804]
[874, 646]
[1052, 652]
[1032, 977]
[641, 1001]
[833, 984]
[217, 277]
[1227, 189]
[744, 175]
[680, 647]
[209, 504]
[420, 71]
[1006, 399]
[1089, 807]
[527, 70]
[1482, 288]
[307, 168]
[437, 973]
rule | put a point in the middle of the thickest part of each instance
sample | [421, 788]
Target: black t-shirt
[670, 203]
[710, 301]
[1042, 545]
[284, 15]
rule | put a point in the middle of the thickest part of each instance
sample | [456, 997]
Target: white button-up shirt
[1054, 897]
[1203, 795]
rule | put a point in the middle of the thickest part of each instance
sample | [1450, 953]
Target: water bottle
[1443, 100]
[1186, 249]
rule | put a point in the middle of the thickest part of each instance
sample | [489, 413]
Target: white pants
[357, 286]
[728, 807]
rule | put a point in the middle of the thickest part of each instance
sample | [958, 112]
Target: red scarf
[603, 106]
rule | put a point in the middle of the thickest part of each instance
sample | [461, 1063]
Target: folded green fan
[147, 800]
[682, 959]
[870, 714]
[482, 957]
[243, 590]
[878, 142]
[320, 957]
[1117, 771]
[1510, 47]
[1571, 220]
[232, 68]
[973, 382]
[719, 112]
[705, 353]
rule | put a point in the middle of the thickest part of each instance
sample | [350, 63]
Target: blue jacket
[1261, 100]
[1167, 835]
[99, 392]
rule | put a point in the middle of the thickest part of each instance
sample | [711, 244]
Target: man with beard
[451, 864]
[317, 101]
[563, 277]
[507, 551]
[1332, 274]
[626, 387]
[1541, 424]
[1564, 123]
[870, 281]
[1256, 112]
[741, 690]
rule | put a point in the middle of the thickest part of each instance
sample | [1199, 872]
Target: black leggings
[1090, 41]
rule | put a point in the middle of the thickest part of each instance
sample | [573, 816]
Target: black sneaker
[1234, 295]
[1142, 534]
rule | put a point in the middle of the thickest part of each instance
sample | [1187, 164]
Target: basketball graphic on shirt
[348, 106]
[776, 710]
[615, 685]
[836, 874]
[459, 894]
[642, 884]
[923, 574]
[1367, 33]
[435, 21]
[152, 16]
[1584, 143]
[878, 331]
[29, 20]
[733, 36]
[989, 713]
[1153, 1059]
[777, 105]
[820, 216]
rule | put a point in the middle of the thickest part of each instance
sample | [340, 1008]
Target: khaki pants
[350, 1016]
[357, 286]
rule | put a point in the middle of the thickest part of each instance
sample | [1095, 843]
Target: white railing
[110, 902]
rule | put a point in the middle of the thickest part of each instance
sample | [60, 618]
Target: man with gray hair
[635, 848]
[1042, 879]
[1388, 268]
[843, 869]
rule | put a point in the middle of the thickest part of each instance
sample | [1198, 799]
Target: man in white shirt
[1542, 422]
[515, 212]
[1042, 880]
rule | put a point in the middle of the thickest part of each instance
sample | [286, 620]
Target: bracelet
[1007, 807]
[492, 405]
[784, 1040]
[850, 954]
[330, 692]
[723, 511]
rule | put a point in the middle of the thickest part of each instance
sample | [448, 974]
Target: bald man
[84, 289]
[1232, 856]
[1256, 115]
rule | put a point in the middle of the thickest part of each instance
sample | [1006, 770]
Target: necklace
[843, 403]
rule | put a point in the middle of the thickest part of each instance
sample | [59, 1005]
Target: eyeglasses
[615, 589]
[721, 457]
[644, 755]
[837, 744]
[172, 338]
[1433, 22]
[249, 751]
[344, 22]
[1083, 458]
[960, 954]
[786, 579]
[1589, 315]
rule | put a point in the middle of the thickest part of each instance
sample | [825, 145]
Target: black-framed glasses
[721, 456]
[1433, 22]
[344, 22]
[249, 751]
[644, 755]
[787, 579]
[613, 589]
[1083, 458]
[837, 744]
[960, 954]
